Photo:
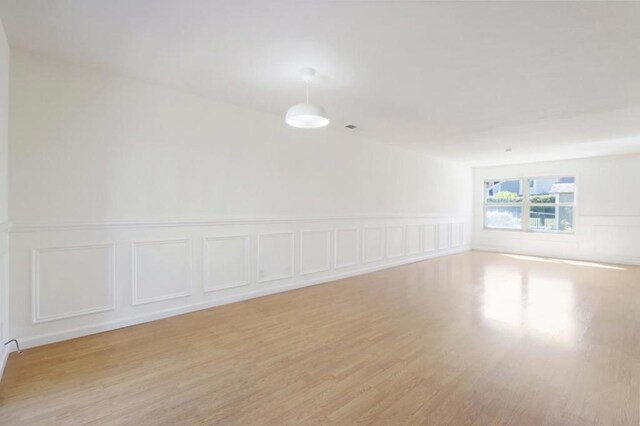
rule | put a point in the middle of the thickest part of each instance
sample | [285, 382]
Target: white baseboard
[4, 356]
[45, 339]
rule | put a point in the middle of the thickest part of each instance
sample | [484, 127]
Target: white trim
[526, 207]
[47, 338]
[436, 237]
[74, 226]
[5, 351]
[36, 318]
[448, 232]
[205, 262]
[327, 247]
[460, 226]
[364, 246]
[335, 248]
[466, 233]
[5, 226]
[135, 301]
[533, 236]
[386, 241]
[261, 279]
[611, 215]
[420, 238]
[624, 258]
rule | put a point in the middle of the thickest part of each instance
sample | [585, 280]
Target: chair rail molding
[114, 224]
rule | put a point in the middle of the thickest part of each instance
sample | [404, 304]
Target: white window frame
[526, 205]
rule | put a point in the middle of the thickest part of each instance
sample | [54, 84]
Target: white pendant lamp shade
[307, 115]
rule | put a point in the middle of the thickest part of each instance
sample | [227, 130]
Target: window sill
[530, 232]
[535, 235]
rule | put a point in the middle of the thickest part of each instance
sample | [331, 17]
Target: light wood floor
[474, 338]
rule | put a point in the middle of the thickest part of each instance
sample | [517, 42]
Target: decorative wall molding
[245, 240]
[327, 251]
[135, 270]
[5, 226]
[392, 233]
[620, 241]
[336, 252]
[85, 226]
[597, 238]
[4, 356]
[262, 276]
[409, 231]
[160, 267]
[366, 257]
[465, 229]
[429, 237]
[444, 236]
[84, 330]
[37, 317]
[457, 233]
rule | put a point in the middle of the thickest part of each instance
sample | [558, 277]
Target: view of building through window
[533, 204]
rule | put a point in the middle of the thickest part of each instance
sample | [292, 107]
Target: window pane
[552, 189]
[567, 197]
[551, 218]
[503, 191]
[504, 217]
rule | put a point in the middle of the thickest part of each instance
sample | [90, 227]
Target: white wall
[90, 146]
[4, 187]
[131, 201]
[607, 222]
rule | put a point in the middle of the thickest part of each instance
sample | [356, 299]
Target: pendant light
[308, 115]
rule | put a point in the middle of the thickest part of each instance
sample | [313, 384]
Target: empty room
[303, 212]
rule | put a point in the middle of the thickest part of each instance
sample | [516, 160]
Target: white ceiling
[462, 80]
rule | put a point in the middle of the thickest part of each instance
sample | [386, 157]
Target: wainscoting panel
[413, 239]
[444, 236]
[611, 239]
[161, 270]
[72, 281]
[77, 279]
[618, 241]
[457, 231]
[275, 256]
[395, 242]
[315, 252]
[373, 245]
[226, 262]
[466, 233]
[346, 247]
[429, 237]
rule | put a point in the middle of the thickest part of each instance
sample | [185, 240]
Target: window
[503, 204]
[551, 204]
[544, 204]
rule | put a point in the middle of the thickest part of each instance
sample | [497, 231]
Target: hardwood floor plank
[474, 338]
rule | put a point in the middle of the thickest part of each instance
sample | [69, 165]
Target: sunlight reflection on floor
[539, 306]
[502, 296]
[565, 261]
